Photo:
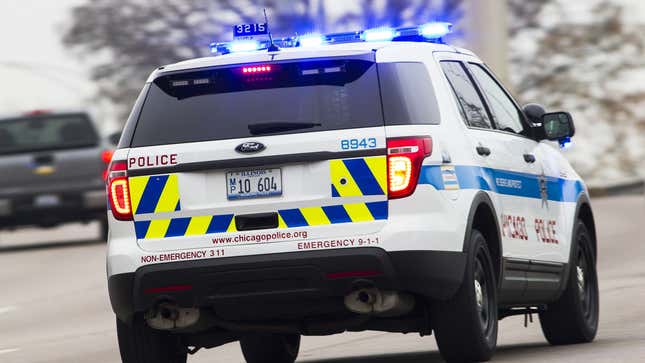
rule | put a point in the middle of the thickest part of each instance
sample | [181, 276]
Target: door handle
[483, 150]
[529, 158]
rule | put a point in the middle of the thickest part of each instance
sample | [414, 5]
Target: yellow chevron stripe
[378, 167]
[315, 216]
[169, 196]
[137, 185]
[338, 171]
[358, 212]
[281, 223]
[198, 225]
[158, 228]
[231, 226]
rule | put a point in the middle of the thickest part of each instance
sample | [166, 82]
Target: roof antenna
[272, 47]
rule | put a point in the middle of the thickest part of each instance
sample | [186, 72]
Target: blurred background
[586, 57]
[582, 56]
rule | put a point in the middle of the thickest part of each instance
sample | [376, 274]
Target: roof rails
[429, 33]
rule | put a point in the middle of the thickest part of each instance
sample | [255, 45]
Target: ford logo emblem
[250, 147]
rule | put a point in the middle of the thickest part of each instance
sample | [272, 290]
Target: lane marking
[10, 350]
[7, 309]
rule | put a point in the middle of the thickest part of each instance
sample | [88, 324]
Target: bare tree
[125, 39]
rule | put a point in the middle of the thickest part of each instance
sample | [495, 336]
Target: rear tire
[138, 343]
[573, 318]
[466, 325]
[270, 348]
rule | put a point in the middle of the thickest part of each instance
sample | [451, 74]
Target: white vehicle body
[534, 202]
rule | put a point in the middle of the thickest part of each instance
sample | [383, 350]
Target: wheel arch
[482, 216]
[584, 213]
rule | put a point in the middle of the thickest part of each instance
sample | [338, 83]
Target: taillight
[119, 191]
[106, 156]
[404, 158]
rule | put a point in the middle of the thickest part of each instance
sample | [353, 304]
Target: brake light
[404, 158]
[257, 69]
[106, 156]
[119, 191]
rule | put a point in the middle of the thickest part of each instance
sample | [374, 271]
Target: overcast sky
[35, 69]
[37, 72]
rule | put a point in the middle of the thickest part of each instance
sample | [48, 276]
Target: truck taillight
[119, 191]
[404, 158]
[106, 156]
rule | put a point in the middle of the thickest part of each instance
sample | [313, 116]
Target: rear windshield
[40, 133]
[279, 98]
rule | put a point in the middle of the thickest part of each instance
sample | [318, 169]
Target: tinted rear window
[408, 95]
[226, 103]
[46, 133]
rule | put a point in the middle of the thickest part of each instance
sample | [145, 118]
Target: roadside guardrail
[627, 186]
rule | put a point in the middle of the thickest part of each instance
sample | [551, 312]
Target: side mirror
[558, 126]
[534, 112]
[114, 138]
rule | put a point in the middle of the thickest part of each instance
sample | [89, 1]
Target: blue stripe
[527, 185]
[293, 218]
[334, 192]
[219, 224]
[337, 214]
[178, 207]
[177, 227]
[141, 228]
[151, 194]
[363, 176]
[378, 209]
[431, 175]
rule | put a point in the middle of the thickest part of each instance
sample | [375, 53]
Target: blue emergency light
[430, 33]
[565, 143]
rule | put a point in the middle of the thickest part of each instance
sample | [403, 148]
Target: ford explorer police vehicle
[376, 180]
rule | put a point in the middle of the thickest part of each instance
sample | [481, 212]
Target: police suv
[373, 180]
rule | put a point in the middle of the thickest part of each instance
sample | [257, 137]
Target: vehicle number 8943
[355, 144]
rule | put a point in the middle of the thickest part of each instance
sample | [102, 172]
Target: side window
[472, 106]
[506, 115]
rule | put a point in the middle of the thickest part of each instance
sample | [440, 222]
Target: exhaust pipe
[167, 316]
[379, 303]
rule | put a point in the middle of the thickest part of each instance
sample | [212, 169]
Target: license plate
[255, 183]
[47, 200]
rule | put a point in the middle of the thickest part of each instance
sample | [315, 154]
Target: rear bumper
[72, 206]
[287, 285]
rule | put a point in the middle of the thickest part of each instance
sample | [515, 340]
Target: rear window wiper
[272, 127]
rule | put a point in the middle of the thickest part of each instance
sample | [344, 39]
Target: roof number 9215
[356, 144]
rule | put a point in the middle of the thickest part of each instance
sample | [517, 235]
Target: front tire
[270, 348]
[138, 343]
[466, 325]
[574, 317]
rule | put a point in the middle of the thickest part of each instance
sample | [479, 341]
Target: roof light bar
[379, 35]
[311, 40]
[244, 46]
[431, 32]
[435, 30]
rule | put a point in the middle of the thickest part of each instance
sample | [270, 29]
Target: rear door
[499, 153]
[251, 154]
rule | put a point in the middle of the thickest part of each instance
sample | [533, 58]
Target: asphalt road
[54, 306]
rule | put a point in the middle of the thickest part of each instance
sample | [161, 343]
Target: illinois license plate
[255, 183]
